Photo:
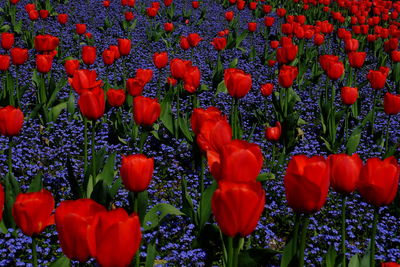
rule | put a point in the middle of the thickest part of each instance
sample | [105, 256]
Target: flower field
[199, 133]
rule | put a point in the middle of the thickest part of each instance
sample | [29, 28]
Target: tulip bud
[92, 103]
[160, 60]
[273, 133]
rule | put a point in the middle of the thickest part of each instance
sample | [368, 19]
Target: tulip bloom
[219, 43]
[89, 54]
[145, 75]
[44, 14]
[286, 76]
[356, 59]
[237, 82]
[252, 26]
[32, 211]
[160, 60]
[391, 104]
[124, 46]
[379, 181]
[266, 89]
[344, 172]
[11, 121]
[145, 110]
[136, 172]
[92, 103]
[74, 219]
[108, 57]
[4, 62]
[306, 183]
[117, 238]
[237, 207]
[62, 18]
[213, 134]
[229, 15]
[19, 55]
[71, 65]
[377, 78]
[83, 80]
[168, 27]
[199, 116]
[194, 39]
[192, 79]
[7, 40]
[335, 70]
[46, 43]
[349, 95]
[178, 67]
[116, 97]
[44, 63]
[273, 133]
[80, 28]
[134, 86]
[33, 15]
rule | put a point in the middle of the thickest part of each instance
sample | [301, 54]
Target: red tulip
[124, 46]
[116, 97]
[194, 39]
[229, 15]
[167, 3]
[287, 53]
[106, 3]
[389, 264]
[30, 7]
[92, 103]
[117, 238]
[108, 57]
[335, 70]
[219, 43]
[145, 75]
[351, 45]
[145, 110]
[32, 211]
[269, 21]
[213, 134]
[151, 12]
[252, 26]
[160, 60]
[395, 55]
[266, 89]
[240, 4]
[11, 121]
[319, 39]
[62, 18]
[306, 183]
[88, 54]
[19, 55]
[80, 28]
[33, 15]
[44, 63]
[184, 43]
[281, 12]
[273, 133]
[326, 60]
[377, 78]
[391, 104]
[14, 2]
[356, 59]
[7, 40]
[199, 116]
[43, 14]
[4, 62]
[344, 172]
[237, 207]
[178, 67]
[286, 76]
[129, 16]
[379, 180]
[115, 49]
[192, 79]
[84, 80]
[46, 43]
[168, 27]
[74, 219]
[195, 4]
[134, 86]
[349, 95]
[136, 172]
[237, 82]
[71, 65]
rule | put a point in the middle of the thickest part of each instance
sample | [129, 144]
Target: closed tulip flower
[4, 62]
[306, 183]
[89, 54]
[84, 80]
[167, 3]
[33, 15]
[145, 110]
[11, 121]
[178, 67]
[379, 181]
[391, 104]
[136, 172]
[200, 115]
[46, 43]
[213, 134]
[151, 12]
[184, 43]
[229, 15]
[160, 60]
[92, 103]
[269, 21]
[134, 86]
[32, 211]
[237, 207]
[124, 46]
[129, 16]
[44, 63]
[71, 65]
[389, 264]
[273, 133]
[252, 26]
[116, 97]
[395, 56]
[80, 28]
[44, 14]
[19, 55]
[74, 219]
[194, 39]
[117, 237]
[356, 59]
[266, 89]
[351, 45]
[62, 18]
[287, 53]
[192, 79]
[145, 75]
[377, 78]
[168, 27]
[115, 49]
[7, 40]
[195, 4]
[219, 43]
[237, 82]
[108, 57]
[286, 76]
[349, 95]
[30, 7]
[344, 172]
[335, 70]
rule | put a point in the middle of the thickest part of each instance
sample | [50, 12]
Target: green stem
[373, 111]
[34, 253]
[236, 249]
[346, 123]
[387, 133]
[230, 252]
[143, 137]
[94, 152]
[17, 85]
[374, 226]
[296, 231]
[10, 155]
[85, 145]
[303, 241]
[343, 242]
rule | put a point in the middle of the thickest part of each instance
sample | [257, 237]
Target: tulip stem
[373, 111]
[17, 85]
[34, 253]
[10, 155]
[387, 133]
[233, 251]
[235, 118]
[143, 137]
[374, 226]
[306, 221]
[94, 152]
[85, 145]
[346, 123]
[343, 241]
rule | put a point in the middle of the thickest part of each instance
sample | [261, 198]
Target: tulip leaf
[56, 110]
[187, 204]
[62, 261]
[240, 38]
[257, 257]
[71, 104]
[107, 174]
[166, 113]
[115, 187]
[330, 257]
[11, 190]
[221, 88]
[354, 261]
[154, 217]
[233, 63]
[184, 127]
[36, 184]
[101, 194]
[354, 140]
[366, 259]
[5, 28]
[205, 204]
[265, 176]
[289, 257]
[151, 255]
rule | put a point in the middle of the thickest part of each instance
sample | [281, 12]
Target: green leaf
[166, 113]
[11, 190]
[62, 261]
[265, 176]
[233, 63]
[289, 254]
[256, 257]
[205, 204]
[101, 194]
[240, 38]
[36, 184]
[154, 217]
[151, 255]
[184, 127]
[330, 257]
[354, 140]
[5, 28]
[354, 261]
[221, 88]
[115, 187]
[56, 110]
[107, 175]
[187, 203]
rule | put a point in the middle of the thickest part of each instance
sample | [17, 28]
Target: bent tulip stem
[306, 221]
[343, 241]
[34, 253]
[374, 227]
